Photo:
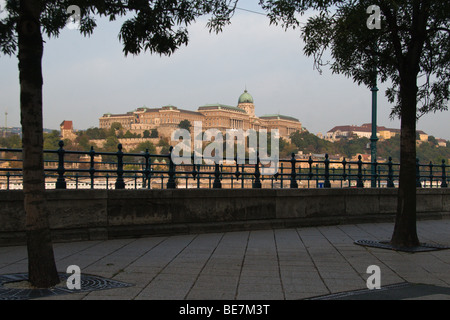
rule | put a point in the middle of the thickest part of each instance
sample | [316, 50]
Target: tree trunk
[405, 229]
[42, 271]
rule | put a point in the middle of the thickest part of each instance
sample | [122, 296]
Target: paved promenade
[281, 264]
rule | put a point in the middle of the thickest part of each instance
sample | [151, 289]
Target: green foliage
[95, 133]
[185, 124]
[414, 39]
[51, 140]
[165, 146]
[143, 146]
[427, 152]
[310, 143]
[157, 26]
[129, 135]
[351, 147]
[111, 144]
[11, 142]
[154, 133]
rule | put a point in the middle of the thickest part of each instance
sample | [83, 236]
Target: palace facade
[218, 116]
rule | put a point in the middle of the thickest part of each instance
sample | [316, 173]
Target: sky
[85, 78]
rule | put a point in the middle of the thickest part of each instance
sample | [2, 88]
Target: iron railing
[150, 171]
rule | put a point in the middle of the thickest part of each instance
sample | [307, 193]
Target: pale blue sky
[87, 77]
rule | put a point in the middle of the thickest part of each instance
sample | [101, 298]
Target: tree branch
[392, 22]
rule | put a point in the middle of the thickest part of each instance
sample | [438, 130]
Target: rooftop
[279, 116]
[245, 97]
[220, 106]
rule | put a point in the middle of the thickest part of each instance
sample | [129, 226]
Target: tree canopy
[411, 31]
[157, 26]
[410, 50]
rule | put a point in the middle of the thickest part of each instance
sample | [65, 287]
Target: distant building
[422, 136]
[442, 142]
[363, 131]
[67, 131]
[218, 116]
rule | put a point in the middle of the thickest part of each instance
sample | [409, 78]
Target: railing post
[310, 174]
[198, 178]
[8, 176]
[237, 173]
[390, 181]
[92, 168]
[430, 165]
[444, 177]
[217, 184]
[147, 169]
[61, 181]
[281, 175]
[120, 184]
[344, 174]
[171, 182]
[359, 183]
[326, 183]
[317, 175]
[257, 183]
[194, 170]
[418, 183]
[294, 184]
[350, 175]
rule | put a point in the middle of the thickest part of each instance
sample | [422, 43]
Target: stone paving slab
[281, 264]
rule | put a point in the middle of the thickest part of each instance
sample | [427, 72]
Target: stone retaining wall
[107, 214]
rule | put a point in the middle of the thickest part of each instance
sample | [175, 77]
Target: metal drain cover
[387, 245]
[88, 283]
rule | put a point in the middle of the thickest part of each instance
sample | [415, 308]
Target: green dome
[245, 98]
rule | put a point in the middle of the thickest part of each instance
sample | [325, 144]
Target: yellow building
[218, 116]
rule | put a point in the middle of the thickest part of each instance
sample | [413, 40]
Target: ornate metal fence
[119, 170]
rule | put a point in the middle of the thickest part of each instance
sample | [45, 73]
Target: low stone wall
[107, 214]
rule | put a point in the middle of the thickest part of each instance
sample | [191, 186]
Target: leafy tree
[428, 152]
[146, 134]
[185, 124]
[310, 143]
[158, 26]
[432, 140]
[390, 148]
[11, 142]
[95, 133]
[111, 144]
[116, 126]
[165, 146]
[154, 133]
[83, 142]
[128, 134]
[413, 43]
[143, 146]
[350, 147]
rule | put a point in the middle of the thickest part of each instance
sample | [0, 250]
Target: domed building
[245, 102]
[217, 116]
